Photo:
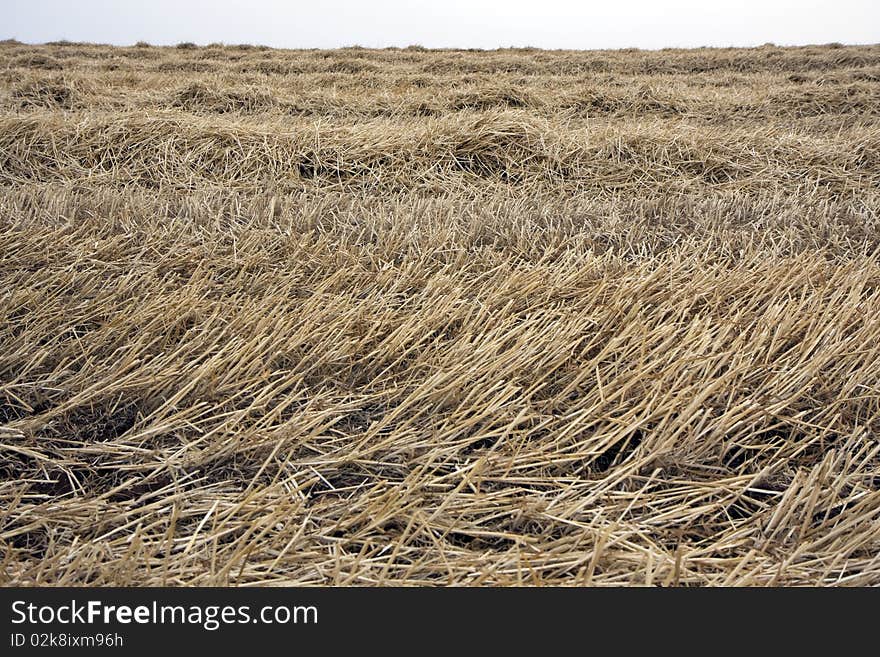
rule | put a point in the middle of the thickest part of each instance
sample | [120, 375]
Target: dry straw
[438, 317]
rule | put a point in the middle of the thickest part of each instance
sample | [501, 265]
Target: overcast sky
[461, 23]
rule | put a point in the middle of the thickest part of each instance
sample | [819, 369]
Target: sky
[445, 23]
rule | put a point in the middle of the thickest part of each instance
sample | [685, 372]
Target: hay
[36, 61]
[440, 317]
[486, 98]
[852, 99]
[182, 152]
[198, 97]
[45, 92]
[350, 66]
[268, 67]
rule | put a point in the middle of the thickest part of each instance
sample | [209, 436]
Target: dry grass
[439, 317]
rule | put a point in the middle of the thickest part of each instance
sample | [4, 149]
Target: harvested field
[429, 317]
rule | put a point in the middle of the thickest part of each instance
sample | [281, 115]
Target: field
[435, 317]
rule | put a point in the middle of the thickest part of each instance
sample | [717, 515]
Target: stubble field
[364, 317]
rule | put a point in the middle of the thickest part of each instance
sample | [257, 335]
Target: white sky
[438, 23]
